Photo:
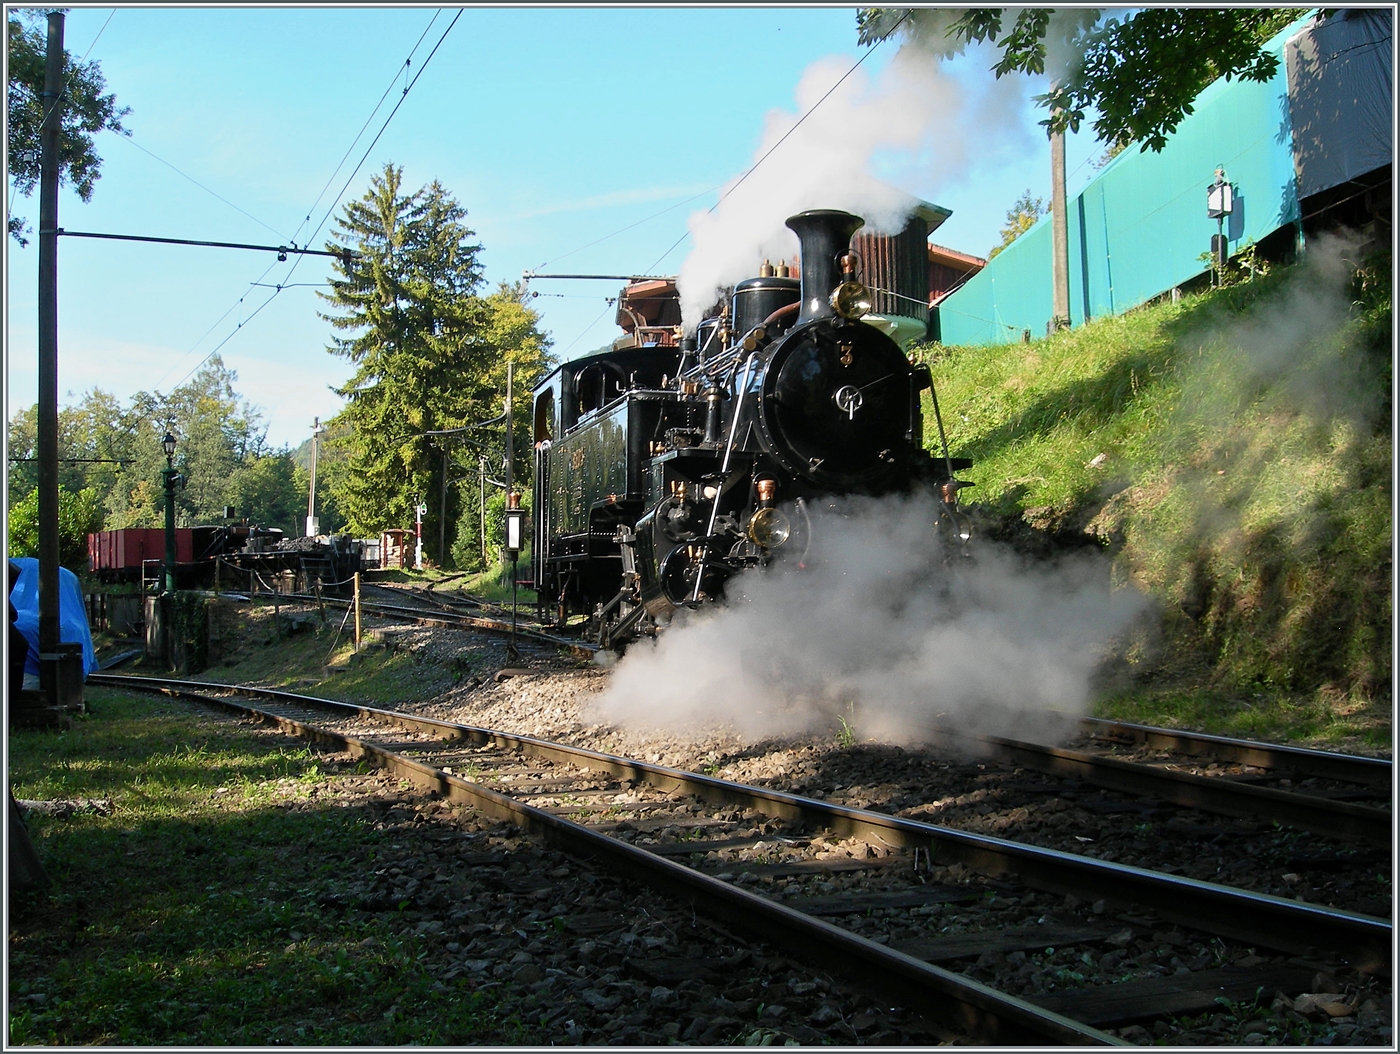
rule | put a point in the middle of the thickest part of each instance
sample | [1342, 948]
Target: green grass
[182, 917]
[1232, 452]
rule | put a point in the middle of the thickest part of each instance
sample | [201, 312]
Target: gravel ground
[552, 698]
[578, 954]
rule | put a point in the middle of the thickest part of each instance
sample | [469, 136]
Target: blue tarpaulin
[72, 614]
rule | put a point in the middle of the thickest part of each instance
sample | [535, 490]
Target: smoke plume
[871, 628]
[913, 119]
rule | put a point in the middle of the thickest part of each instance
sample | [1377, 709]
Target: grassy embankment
[1232, 452]
[167, 922]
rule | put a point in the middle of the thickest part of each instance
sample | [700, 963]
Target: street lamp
[515, 541]
[171, 479]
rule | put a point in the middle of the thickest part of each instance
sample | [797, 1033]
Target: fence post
[357, 611]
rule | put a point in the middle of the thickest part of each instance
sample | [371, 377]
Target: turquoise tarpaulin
[1140, 227]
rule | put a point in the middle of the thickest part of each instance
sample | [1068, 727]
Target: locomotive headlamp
[851, 300]
[769, 528]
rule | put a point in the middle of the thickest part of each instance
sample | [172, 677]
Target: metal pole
[48, 362]
[311, 498]
[514, 561]
[510, 430]
[481, 468]
[170, 475]
[1059, 229]
[442, 515]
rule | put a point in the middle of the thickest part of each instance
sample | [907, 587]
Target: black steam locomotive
[664, 468]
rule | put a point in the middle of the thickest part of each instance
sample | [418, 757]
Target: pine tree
[417, 335]
[430, 355]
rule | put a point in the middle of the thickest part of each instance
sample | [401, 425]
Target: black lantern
[168, 445]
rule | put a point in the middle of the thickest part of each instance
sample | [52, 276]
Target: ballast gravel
[578, 954]
[544, 695]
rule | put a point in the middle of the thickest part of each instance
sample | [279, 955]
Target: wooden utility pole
[48, 362]
[1059, 232]
[357, 609]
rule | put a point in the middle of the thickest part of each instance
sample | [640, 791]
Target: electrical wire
[624, 230]
[587, 329]
[256, 311]
[348, 150]
[201, 186]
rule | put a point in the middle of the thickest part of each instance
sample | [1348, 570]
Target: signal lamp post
[171, 479]
[1220, 203]
[515, 538]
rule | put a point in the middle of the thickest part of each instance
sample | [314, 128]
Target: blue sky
[554, 127]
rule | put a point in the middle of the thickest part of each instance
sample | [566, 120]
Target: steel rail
[1207, 793]
[1258, 918]
[1349, 768]
[451, 620]
[946, 998]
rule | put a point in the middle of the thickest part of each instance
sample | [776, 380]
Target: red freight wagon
[129, 547]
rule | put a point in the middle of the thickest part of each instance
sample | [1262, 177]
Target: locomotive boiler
[665, 468]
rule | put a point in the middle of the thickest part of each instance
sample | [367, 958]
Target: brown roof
[938, 254]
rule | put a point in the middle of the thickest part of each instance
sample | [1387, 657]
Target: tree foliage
[78, 514]
[86, 111]
[430, 355]
[113, 451]
[1020, 218]
[1141, 72]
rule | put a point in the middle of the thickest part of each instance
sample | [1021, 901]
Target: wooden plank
[592, 923]
[859, 903]
[686, 848]
[1114, 1005]
[671, 972]
[1022, 938]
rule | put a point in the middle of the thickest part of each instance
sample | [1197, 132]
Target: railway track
[455, 620]
[924, 895]
[1246, 787]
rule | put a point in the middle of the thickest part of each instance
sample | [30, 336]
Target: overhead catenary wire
[769, 152]
[350, 149]
[277, 291]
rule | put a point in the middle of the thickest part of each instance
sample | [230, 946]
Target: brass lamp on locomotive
[664, 468]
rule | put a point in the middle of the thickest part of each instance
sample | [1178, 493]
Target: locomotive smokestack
[825, 234]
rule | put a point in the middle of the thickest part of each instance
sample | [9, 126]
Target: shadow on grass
[188, 916]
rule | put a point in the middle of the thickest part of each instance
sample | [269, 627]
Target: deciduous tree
[1020, 218]
[1141, 72]
[86, 111]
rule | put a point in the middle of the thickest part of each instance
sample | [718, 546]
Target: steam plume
[913, 117]
[874, 630]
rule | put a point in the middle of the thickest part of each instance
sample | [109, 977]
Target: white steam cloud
[876, 631]
[913, 117]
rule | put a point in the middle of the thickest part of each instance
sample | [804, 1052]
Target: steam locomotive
[671, 463]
